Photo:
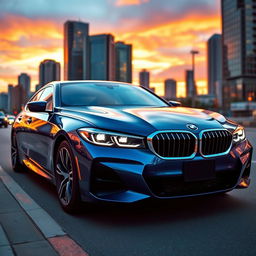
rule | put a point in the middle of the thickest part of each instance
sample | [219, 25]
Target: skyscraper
[24, 81]
[214, 53]
[16, 98]
[123, 62]
[144, 78]
[10, 89]
[239, 49]
[170, 89]
[189, 83]
[76, 50]
[49, 70]
[102, 57]
[4, 101]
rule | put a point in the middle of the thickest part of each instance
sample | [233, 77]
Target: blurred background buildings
[231, 64]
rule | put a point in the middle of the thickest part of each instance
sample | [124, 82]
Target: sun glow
[162, 49]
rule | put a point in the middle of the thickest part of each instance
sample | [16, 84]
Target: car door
[40, 128]
[22, 129]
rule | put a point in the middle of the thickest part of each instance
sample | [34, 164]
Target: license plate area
[199, 170]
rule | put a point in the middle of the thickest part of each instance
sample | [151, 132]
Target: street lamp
[193, 53]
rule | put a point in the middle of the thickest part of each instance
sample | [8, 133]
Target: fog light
[244, 183]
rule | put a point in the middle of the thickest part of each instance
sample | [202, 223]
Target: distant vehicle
[117, 142]
[3, 120]
[10, 119]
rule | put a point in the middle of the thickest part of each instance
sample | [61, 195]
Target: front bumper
[129, 175]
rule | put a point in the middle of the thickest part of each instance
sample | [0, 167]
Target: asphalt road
[212, 225]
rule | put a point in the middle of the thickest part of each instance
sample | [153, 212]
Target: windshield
[107, 94]
[2, 114]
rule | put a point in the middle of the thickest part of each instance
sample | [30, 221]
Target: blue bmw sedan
[116, 142]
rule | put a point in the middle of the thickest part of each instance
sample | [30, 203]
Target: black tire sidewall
[18, 167]
[74, 203]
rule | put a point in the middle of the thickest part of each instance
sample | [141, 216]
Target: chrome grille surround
[198, 143]
[164, 132]
[219, 133]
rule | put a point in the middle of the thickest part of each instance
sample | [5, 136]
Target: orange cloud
[163, 49]
[24, 43]
[130, 2]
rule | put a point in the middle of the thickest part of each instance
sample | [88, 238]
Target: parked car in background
[3, 120]
[117, 142]
[10, 119]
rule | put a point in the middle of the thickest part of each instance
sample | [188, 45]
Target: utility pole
[193, 53]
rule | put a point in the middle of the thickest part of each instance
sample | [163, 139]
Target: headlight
[111, 139]
[5, 119]
[239, 134]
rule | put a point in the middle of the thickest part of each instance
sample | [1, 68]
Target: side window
[37, 96]
[47, 96]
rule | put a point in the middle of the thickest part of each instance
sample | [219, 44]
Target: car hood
[145, 120]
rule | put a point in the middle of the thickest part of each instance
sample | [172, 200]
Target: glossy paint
[39, 133]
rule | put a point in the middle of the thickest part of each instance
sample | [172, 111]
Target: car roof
[87, 81]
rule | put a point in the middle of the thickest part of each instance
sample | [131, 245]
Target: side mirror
[175, 103]
[37, 106]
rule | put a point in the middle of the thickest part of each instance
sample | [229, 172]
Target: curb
[5, 247]
[51, 230]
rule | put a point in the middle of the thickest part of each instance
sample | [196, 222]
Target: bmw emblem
[192, 127]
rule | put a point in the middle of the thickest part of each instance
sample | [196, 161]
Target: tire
[6, 126]
[66, 177]
[16, 165]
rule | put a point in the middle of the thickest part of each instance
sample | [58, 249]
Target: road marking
[45, 223]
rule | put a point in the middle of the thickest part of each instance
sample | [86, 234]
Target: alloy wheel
[64, 173]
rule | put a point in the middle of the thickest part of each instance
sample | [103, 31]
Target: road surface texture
[207, 225]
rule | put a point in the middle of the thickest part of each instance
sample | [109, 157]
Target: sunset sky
[162, 33]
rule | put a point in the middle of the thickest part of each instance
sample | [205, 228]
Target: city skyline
[158, 45]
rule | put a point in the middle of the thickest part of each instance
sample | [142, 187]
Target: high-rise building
[170, 89]
[76, 50]
[189, 83]
[144, 77]
[24, 81]
[123, 62]
[4, 101]
[16, 98]
[10, 89]
[239, 49]
[214, 54]
[102, 57]
[49, 70]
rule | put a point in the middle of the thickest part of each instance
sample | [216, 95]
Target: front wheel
[16, 165]
[66, 178]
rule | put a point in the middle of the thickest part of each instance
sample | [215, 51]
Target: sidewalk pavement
[28, 230]
[18, 233]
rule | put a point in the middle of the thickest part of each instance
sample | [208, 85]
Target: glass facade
[239, 49]
[214, 52]
[24, 81]
[76, 57]
[102, 57]
[189, 83]
[170, 89]
[49, 70]
[123, 62]
[144, 78]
